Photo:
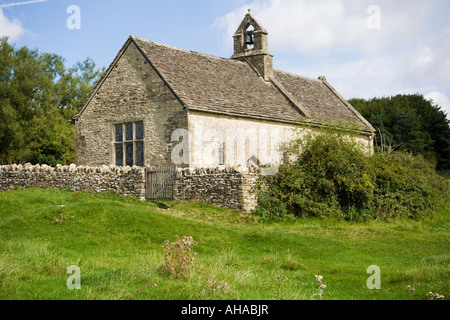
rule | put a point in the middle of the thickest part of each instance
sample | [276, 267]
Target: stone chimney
[250, 45]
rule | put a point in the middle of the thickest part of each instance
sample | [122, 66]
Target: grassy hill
[116, 242]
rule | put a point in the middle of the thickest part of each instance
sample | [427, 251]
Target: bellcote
[250, 45]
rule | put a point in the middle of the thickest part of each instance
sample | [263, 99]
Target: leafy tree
[38, 96]
[410, 123]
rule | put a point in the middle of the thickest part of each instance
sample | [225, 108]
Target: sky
[365, 48]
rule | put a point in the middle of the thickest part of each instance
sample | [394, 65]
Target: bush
[405, 185]
[332, 175]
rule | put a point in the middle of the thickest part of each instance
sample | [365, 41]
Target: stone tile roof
[210, 83]
[319, 99]
[213, 83]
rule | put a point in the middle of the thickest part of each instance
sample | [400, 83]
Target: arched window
[248, 38]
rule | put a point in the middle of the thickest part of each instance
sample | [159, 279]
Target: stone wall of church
[132, 92]
[242, 141]
[218, 139]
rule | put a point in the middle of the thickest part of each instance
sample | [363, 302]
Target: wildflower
[321, 285]
[409, 288]
[436, 295]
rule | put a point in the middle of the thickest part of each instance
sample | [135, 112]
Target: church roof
[215, 84]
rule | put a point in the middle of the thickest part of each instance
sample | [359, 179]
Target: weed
[178, 256]
[60, 214]
[222, 287]
[410, 289]
[321, 285]
[435, 296]
[279, 280]
[150, 284]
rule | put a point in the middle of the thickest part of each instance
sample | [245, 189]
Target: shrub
[330, 174]
[178, 256]
[405, 185]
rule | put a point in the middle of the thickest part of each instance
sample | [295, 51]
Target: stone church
[158, 105]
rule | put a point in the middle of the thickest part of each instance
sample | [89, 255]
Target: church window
[129, 144]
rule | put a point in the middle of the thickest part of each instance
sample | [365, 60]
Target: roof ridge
[296, 75]
[168, 46]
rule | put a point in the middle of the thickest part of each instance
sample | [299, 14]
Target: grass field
[116, 242]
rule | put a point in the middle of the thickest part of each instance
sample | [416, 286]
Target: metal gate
[159, 182]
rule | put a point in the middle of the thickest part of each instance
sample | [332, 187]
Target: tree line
[39, 95]
[409, 123]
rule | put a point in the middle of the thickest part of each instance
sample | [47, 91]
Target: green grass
[116, 242]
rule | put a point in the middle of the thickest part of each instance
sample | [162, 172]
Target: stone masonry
[122, 180]
[132, 91]
[225, 187]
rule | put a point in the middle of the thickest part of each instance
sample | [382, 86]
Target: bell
[249, 37]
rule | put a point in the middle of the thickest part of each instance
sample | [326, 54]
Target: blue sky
[365, 48]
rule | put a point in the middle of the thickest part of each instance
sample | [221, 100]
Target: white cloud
[409, 53]
[441, 100]
[11, 28]
[325, 26]
[424, 57]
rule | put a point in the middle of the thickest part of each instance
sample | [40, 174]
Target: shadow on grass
[161, 205]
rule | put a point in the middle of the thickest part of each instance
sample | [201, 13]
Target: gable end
[112, 66]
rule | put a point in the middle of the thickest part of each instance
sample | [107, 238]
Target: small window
[249, 39]
[253, 161]
[129, 151]
[221, 156]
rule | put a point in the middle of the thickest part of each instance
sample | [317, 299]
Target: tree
[38, 96]
[411, 123]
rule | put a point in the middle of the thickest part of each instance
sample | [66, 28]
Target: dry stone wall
[122, 180]
[225, 187]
